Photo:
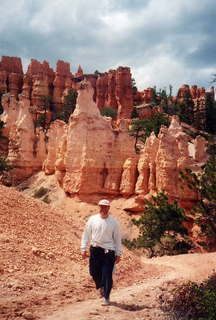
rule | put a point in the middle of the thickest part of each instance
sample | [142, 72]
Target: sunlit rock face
[94, 152]
[56, 131]
[26, 144]
[162, 159]
[90, 155]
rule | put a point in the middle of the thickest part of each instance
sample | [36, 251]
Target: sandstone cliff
[90, 156]
[112, 89]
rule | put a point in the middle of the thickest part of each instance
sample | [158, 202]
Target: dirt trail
[141, 301]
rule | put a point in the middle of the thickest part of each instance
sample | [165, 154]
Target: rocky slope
[40, 263]
[42, 275]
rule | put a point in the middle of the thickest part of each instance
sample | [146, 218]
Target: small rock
[28, 315]
[36, 251]
[50, 255]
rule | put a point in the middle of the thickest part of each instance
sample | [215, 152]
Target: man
[103, 234]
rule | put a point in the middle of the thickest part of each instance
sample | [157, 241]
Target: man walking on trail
[103, 234]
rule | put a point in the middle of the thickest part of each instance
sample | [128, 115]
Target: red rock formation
[184, 92]
[40, 89]
[26, 149]
[146, 167]
[3, 81]
[62, 73]
[148, 95]
[102, 91]
[114, 90]
[201, 93]
[129, 176]
[68, 87]
[111, 91]
[11, 65]
[38, 81]
[11, 72]
[88, 156]
[79, 72]
[94, 164]
[194, 92]
[27, 86]
[161, 161]
[124, 93]
[15, 83]
[56, 131]
[63, 69]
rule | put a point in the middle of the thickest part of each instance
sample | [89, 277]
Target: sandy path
[141, 301]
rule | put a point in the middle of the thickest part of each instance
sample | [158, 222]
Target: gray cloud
[163, 42]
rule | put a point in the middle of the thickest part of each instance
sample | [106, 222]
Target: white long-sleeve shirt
[104, 233]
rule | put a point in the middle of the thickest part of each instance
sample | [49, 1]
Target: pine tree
[161, 229]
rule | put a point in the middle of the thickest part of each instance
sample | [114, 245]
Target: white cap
[104, 202]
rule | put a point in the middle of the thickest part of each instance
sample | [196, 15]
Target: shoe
[101, 290]
[105, 302]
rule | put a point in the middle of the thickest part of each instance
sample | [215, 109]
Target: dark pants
[101, 267]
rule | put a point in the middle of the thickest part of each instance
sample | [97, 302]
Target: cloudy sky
[163, 41]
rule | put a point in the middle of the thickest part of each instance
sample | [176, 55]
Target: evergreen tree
[68, 106]
[133, 85]
[204, 184]
[210, 114]
[1, 108]
[42, 119]
[161, 229]
[4, 165]
[109, 112]
[1, 126]
[142, 128]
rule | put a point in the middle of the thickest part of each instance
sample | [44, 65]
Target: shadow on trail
[129, 307]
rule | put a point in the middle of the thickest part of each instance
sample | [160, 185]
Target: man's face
[104, 211]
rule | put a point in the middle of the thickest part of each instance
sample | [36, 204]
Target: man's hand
[84, 254]
[117, 259]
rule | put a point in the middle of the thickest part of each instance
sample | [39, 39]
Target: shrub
[4, 166]
[109, 112]
[68, 107]
[193, 301]
[160, 228]
[46, 199]
[1, 127]
[1, 108]
[204, 184]
[142, 128]
[40, 192]
[42, 121]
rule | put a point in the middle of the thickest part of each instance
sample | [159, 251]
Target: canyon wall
[91, 156]
[112, 89]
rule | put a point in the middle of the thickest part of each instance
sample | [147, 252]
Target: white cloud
[163, 71]
[164, 42]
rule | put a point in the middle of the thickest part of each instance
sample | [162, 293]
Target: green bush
[160, 228]
[46, 199]
[1, 127]
[68, 107]
[4, 166]
[1, 108]
[204, 184]
[42, 121]
[40, 192]
[194, 301]
[142, 128]
[109, 112]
